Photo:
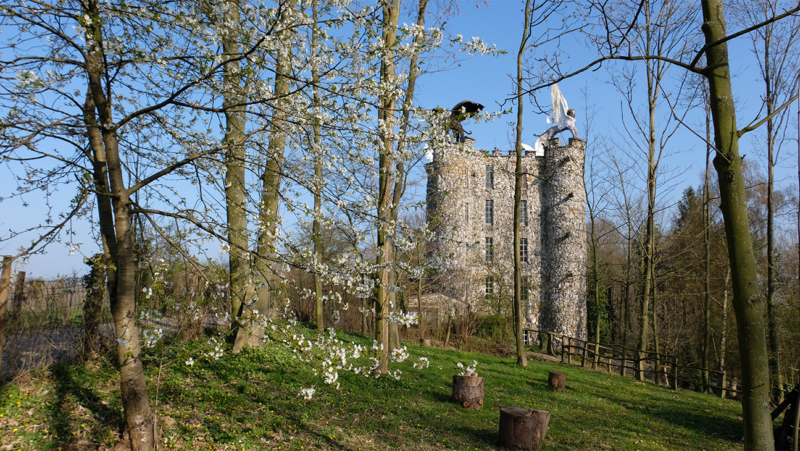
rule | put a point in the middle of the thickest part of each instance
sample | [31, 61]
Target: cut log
[558, 381]
[425, 341]
[523, 428]
[468, 391]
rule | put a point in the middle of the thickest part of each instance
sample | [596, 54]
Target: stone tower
[470, 199]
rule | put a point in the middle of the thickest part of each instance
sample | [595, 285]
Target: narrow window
[523, 249]
[489, 249]
[489, 286]
[523, 212]
[526, 288]
[490, 177]
[489, 212]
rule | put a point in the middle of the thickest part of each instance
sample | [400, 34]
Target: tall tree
[235, 185]
[386, 118]
[318, 163]
[728, 165]
[518, 174]
[270, 177]
[400, 179]
[775, 48]
[668, 40]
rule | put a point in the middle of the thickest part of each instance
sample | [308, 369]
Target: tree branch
[752, 126]
[170, 168]
[741, 32]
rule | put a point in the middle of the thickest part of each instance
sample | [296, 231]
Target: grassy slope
[251, 402]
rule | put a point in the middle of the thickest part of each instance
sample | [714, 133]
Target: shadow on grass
[658, 403]
[73, 399]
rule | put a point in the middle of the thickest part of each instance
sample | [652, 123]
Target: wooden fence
[625, 360]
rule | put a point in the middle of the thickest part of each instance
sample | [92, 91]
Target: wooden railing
[663, 367]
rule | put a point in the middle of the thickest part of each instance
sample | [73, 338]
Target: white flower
[189, 362]
[399, 354]
[469, 370]
[307, 393]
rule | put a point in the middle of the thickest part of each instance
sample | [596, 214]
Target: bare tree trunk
[728, 163]
[723, 340]
[656, 376]
[521, 358]
[774, 337]
[649, 234]
[707, 248]
[596, 282]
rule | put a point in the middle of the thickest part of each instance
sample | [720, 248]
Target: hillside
[252, 402]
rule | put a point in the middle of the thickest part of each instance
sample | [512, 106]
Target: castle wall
[456, 210]
[564, 230]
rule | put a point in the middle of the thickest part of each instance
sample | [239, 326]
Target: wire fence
[45, 319]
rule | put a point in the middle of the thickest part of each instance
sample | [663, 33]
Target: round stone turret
[563, 303]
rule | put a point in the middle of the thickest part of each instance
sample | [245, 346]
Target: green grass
[251, 402]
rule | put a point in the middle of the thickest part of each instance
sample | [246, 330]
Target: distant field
[251, 402]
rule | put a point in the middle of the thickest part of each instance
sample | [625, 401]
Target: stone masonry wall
[456, 209]
[564, 240]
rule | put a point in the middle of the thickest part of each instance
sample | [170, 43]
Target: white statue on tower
[564, 120]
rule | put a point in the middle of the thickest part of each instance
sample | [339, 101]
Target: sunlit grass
[251, 402]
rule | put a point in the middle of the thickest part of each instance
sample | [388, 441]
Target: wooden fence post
[623, 360]
[583, 354]
[550, 350]
[674, 373]
[62, 300]
[19, 297]
[5, 295]
[568, 346]
[722, 384]
[639, 373]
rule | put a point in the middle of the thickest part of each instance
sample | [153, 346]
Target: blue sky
[485, 79]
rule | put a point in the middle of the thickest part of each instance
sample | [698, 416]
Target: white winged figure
[564, 120]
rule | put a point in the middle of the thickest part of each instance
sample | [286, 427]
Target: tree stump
[558, 380]
[425, 341]
[523, 428]
[468, 391]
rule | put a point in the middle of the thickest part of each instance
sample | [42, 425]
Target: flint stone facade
[477, 236]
